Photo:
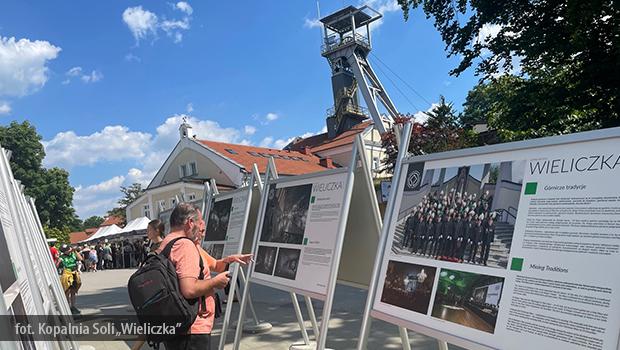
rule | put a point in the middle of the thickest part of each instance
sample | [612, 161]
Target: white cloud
[23, 65]
[132, 58]
[189, 108]
[97, 199]
[185, 7]
[74, 72]
[141, 22]
[422, 117]
[118, 143]
[249, 130]
[5, 108]
[383, 7]
[266, 142]
[271, 117]
[280, 143]
[113, 143]
[487, 33]
[91, 77]
[312, 23]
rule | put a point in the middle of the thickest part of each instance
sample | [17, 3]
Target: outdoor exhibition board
[510, 246]
[29, 281]
[313, 231]
[298, 233]
[227, 217]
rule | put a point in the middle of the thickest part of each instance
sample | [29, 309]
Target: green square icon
[312, 199]
[306, 239]
[517, 264]
[530, 188]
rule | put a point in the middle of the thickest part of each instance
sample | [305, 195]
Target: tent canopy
[102, 232]
[137, 224]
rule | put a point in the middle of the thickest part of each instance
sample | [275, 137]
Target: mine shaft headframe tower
[346, 45]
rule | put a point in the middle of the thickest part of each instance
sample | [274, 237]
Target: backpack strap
[201, 276]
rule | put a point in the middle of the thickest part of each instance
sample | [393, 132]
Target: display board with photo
[224, 224]
[462, 214]
[469, 299]
[299, 229]
[286, 214]
[518, 235]
[219, 217]
[408, 286]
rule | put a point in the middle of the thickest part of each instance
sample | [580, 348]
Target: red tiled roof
[112, 220]
[76, 237]
[320, 142]
[287, 162]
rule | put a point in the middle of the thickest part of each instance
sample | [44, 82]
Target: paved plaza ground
[105, 292]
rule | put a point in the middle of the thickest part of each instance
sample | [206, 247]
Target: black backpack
[155, 295]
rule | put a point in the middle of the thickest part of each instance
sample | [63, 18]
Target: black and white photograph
[286, 214]
[408, 286]
[219, 216]
[469, 299]
[215, 250]
[288, 262]
[461, 214]
[265, 259]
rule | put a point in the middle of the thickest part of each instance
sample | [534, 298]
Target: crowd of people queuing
[451, 226]
[72, 260]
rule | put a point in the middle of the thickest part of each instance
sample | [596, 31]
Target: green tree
[566, 55]
[27, 152]
[49, 187]
[440, 132]
[130, 194]
[93, 221]
[61, 235]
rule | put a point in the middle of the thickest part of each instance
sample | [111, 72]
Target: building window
[231, 151]
[192, 168]
[173, 202]
[183, 170]
[147, 210]
[162, 205]
[191, 197]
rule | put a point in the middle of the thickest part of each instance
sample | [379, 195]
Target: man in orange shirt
[186, 221]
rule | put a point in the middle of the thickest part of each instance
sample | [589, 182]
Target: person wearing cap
[70, 278]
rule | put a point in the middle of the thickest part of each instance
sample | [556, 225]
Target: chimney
[326, 162]
[306, 150]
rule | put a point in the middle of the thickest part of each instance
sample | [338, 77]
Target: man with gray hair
[186, 222]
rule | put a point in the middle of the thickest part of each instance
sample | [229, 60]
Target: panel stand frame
[405, 137]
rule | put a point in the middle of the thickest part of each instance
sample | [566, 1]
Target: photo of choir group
[453, 214]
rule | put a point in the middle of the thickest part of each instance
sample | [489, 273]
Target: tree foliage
[565, 55]
[442, 131]
[93, 221]
[62, 235]
[130, 194]
[49, 187]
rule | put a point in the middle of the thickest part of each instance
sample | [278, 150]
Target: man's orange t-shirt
[184, 255]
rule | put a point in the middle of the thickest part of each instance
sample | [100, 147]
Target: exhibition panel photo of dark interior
[469, 299]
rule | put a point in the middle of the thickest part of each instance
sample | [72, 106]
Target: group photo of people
[456, 214]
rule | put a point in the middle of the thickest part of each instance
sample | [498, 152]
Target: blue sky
[106, 83]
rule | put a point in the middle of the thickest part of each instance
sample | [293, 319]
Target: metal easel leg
[257, 327]
[300, 319]
[315, 325]
[404, 338]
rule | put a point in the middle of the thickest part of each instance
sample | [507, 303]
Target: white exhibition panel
[551, 279]
[225, 223]
[297, 239]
